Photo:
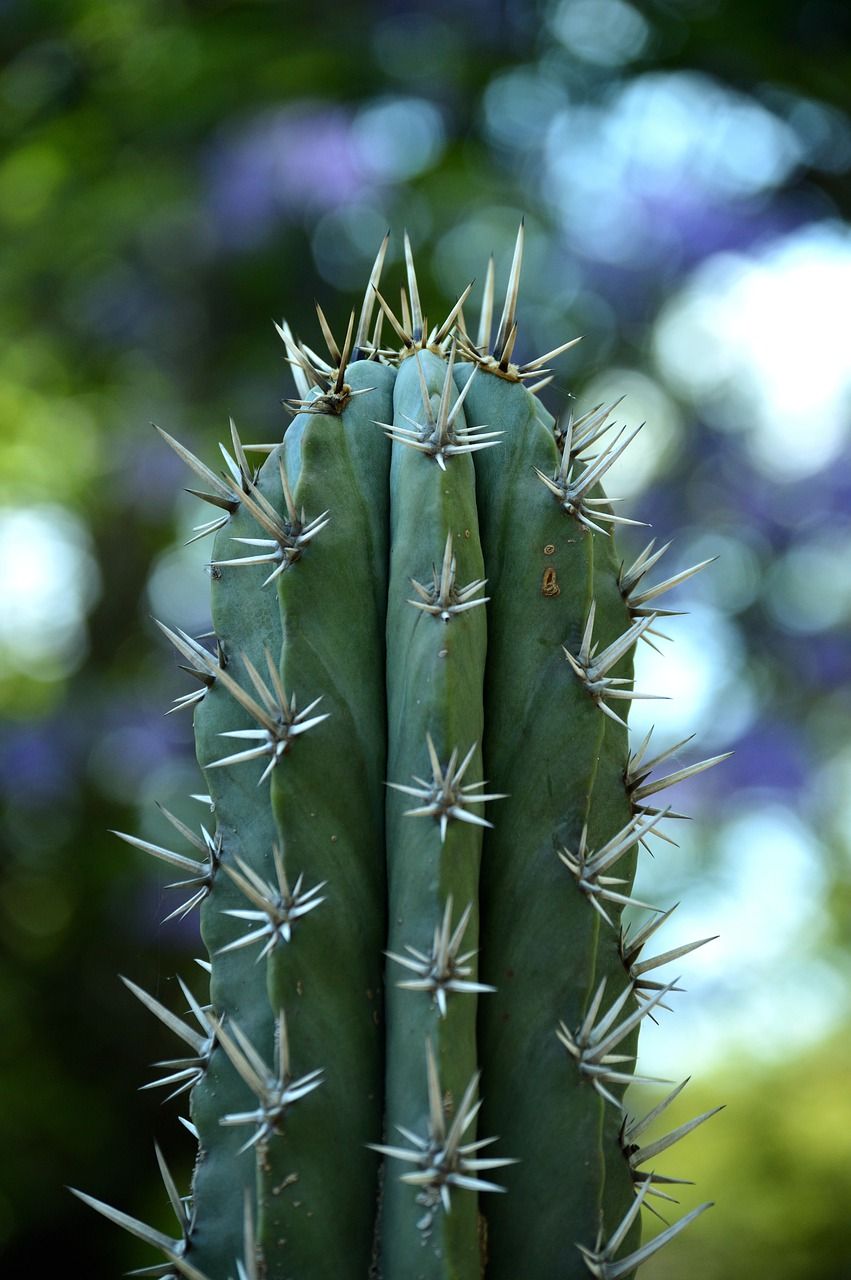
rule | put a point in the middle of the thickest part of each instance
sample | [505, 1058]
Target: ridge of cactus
[412, 722]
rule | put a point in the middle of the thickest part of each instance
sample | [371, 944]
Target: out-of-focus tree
[174, 176]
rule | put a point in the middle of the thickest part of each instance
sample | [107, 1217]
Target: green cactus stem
[435, 818]
[424, 998]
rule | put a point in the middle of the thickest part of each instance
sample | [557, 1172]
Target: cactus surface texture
[420, 829]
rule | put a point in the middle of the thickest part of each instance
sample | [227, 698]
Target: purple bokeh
[43, 761]
[771, 755]
[299, 159]
[691, 224]
[676, 225]
[828, 657]
[147, 473]
[39, 761]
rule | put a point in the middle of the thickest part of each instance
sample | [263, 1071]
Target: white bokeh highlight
[50, 580]
[760, 988]
[760, 344]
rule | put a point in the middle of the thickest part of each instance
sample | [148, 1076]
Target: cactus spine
[423, 1009]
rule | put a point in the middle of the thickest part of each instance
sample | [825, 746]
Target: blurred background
[177, 174]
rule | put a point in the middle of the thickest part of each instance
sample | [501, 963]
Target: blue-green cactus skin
[246, 829]
[562, 763]
[328, 799]
[435, 670]
[423, 1008]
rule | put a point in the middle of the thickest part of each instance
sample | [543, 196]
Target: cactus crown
[423, 1006]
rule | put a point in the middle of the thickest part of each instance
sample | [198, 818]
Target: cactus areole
[421, 830]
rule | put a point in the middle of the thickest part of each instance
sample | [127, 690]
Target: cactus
[423, 1007]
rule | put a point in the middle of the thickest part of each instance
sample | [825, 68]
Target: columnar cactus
[423, 1007]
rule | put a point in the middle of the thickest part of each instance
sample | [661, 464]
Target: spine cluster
[422, 825]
